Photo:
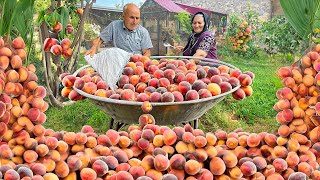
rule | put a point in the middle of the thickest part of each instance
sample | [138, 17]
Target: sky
[114, 3]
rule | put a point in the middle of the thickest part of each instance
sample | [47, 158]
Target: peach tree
[241, 32]
[61, 34]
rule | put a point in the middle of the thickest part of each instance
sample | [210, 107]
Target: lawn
[253, 114]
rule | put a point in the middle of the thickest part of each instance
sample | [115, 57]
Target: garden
[266, 128]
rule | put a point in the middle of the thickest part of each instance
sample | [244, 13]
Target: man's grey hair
[125, 7]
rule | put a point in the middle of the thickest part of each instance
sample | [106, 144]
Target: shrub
[278, 36]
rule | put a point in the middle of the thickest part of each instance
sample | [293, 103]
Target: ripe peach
[214, 89]
[4, 51]
[248, 168]
[87, 174]
[217, 166]
[179, 77]
[167, 97]
[170, 137]
[161, 162]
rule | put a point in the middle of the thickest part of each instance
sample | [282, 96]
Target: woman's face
[198, 23]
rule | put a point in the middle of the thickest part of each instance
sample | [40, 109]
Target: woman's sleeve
[206, 43]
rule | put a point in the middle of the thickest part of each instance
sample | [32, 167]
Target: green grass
[253, 114]
[73, 117]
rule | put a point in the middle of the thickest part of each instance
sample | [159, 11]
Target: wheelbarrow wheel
[193, 123]
[115, 125]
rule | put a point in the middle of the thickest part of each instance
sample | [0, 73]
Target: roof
[104, 8]
[169, 5]
[192, 9]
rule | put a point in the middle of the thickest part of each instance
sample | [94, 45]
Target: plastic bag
[109, 64]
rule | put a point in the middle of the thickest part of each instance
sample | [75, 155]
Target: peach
[305, 168]
[253, 140]
[297, 175]
[211, 139]
[81, 138]
[155, 97]
[161, 162]
[66, 91]
[38, 169]
[143, 143]
[248, 168]
[127, 94]
[136, 171]
[192, 167]
[198, 85]
[87, 174]
[223, 69]
[279, 165]
[284, 72]
[288, 82]
[12, 76]
[121, 156]
[234, 82]
[239, 94]
[11, 174]
[216, 79]
[51, 142]
[212, 71]
[138, 70]
[4, 62]
[192, 95]
[217, 166]
[4, 51]
[16, 62]
[134, 79]
[184, 87]
[100, 167]
[124, 79]
[62, 170]
[230, 160]
[170, 137]
[214, 89]
[179, 77]
[191, 78]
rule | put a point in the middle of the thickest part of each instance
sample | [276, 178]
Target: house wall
[265, 8]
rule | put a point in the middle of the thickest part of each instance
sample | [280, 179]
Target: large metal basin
[167, 113]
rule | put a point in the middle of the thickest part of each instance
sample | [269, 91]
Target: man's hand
[95, 45]
[91, 51]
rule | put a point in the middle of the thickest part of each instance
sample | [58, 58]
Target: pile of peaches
[147, 151]
[165, 80]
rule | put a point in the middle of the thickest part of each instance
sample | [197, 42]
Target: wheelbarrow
[125, 112]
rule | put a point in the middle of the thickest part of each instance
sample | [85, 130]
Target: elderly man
[126, 34]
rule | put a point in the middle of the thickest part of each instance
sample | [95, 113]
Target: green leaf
[302, 15]
[8, 8]
[64, 19]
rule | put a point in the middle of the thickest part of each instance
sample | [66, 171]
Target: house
[158, 18]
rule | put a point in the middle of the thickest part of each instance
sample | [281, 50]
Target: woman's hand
[178, 48]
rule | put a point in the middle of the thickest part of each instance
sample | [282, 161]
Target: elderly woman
[201, 42]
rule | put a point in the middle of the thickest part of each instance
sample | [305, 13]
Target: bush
[278, 36]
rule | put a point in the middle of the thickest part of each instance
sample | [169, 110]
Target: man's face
[131, 17]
